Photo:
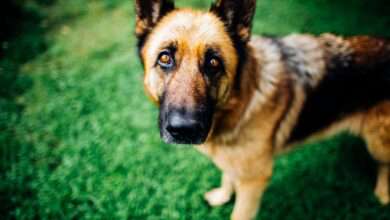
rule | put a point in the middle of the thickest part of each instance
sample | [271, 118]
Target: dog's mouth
[180, 126]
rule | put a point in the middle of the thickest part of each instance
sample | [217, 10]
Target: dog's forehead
[194, 28]
[193, 24]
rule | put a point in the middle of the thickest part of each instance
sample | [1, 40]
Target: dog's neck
[257, 91]
[229, 119]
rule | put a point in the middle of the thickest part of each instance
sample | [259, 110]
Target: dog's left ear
[237, 16]
[148, 13]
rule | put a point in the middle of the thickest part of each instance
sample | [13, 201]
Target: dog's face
[190, 61]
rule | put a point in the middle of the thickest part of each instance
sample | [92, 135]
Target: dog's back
[339, 76]
[356, 78]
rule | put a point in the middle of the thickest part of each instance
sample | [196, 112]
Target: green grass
[79, 140]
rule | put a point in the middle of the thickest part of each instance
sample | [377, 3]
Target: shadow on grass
[356, 17]
[339, 185]
[347, 17]
[21, 39]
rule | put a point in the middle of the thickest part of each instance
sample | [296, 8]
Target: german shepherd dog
[242, 99]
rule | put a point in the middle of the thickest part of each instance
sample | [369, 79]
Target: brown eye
[165, 60]
[214, 63]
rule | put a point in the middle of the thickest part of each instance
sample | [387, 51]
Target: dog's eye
[165, 60]
[213, 65]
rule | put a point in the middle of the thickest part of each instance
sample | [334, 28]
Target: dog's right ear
[148, 13]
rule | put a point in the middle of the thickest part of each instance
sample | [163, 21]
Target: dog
[241, 99]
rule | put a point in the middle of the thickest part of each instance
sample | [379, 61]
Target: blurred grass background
[79, 140]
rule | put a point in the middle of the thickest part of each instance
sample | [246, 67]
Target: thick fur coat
[243, 99]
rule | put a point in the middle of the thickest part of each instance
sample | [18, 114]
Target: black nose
[183, 127]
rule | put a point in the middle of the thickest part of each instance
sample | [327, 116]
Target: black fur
[145, 11]
[344, 90]
[242, 13]
[237, 15]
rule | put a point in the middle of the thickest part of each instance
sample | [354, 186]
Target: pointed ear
[148, 13]
[237, 16]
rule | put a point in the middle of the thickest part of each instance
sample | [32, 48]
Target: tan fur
[368, 50]
[251, 150]
[376, 130]
[253, 123]
[194, 36]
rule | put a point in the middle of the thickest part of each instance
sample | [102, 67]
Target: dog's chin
[193, 140]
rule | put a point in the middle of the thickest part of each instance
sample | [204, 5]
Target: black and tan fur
[243, 99]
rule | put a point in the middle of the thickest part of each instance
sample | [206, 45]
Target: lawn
[79, 139]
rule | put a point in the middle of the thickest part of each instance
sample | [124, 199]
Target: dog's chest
[242, 160]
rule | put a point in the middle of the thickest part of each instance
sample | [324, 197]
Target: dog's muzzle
[181, 126]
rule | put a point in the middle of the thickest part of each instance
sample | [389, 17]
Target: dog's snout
[181, 126]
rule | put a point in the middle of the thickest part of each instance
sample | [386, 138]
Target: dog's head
[190, 60]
